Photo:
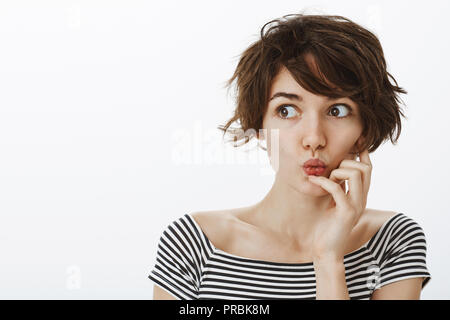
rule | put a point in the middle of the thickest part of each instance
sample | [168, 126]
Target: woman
[318, 88]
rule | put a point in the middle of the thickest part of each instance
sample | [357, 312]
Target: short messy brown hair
[346, 55]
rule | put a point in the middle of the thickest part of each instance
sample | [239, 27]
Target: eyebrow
[291, 96]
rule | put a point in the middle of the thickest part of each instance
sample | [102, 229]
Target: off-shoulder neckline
[292, 264]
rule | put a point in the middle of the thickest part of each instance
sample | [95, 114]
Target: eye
[286, 110]
[283, 111]
[335, 107]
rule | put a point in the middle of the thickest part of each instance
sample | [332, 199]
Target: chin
[313, 190]
[318, 190]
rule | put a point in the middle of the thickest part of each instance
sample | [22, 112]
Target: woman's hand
[333, 231]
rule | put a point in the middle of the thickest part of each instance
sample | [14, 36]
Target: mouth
[312, 170]
[314, 166]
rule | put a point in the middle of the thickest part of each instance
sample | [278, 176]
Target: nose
[312, 135]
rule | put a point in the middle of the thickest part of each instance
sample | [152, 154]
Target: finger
[340, 182]
[355, 185]
[366, 170]
[334, 189]
[364, 157]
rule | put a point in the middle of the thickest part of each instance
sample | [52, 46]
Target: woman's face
[310, 126]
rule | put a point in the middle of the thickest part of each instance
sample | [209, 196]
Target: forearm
[330, 279]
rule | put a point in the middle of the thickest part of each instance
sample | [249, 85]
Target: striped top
[190, 267]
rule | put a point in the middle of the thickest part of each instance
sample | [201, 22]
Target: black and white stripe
[189, 266]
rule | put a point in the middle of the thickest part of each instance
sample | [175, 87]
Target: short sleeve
[405, 253]
[176, 266]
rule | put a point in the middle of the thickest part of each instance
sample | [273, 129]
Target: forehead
[285, 81]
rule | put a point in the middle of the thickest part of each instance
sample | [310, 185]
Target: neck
[290, 213]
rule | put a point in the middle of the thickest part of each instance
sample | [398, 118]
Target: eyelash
[338, 104]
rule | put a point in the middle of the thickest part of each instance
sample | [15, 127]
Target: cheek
[281, 143]
[345, 145]
[288, 150]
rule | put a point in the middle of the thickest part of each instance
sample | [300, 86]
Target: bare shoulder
[368, 225]
[373, 219]
[216, 225]
[223, 226]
